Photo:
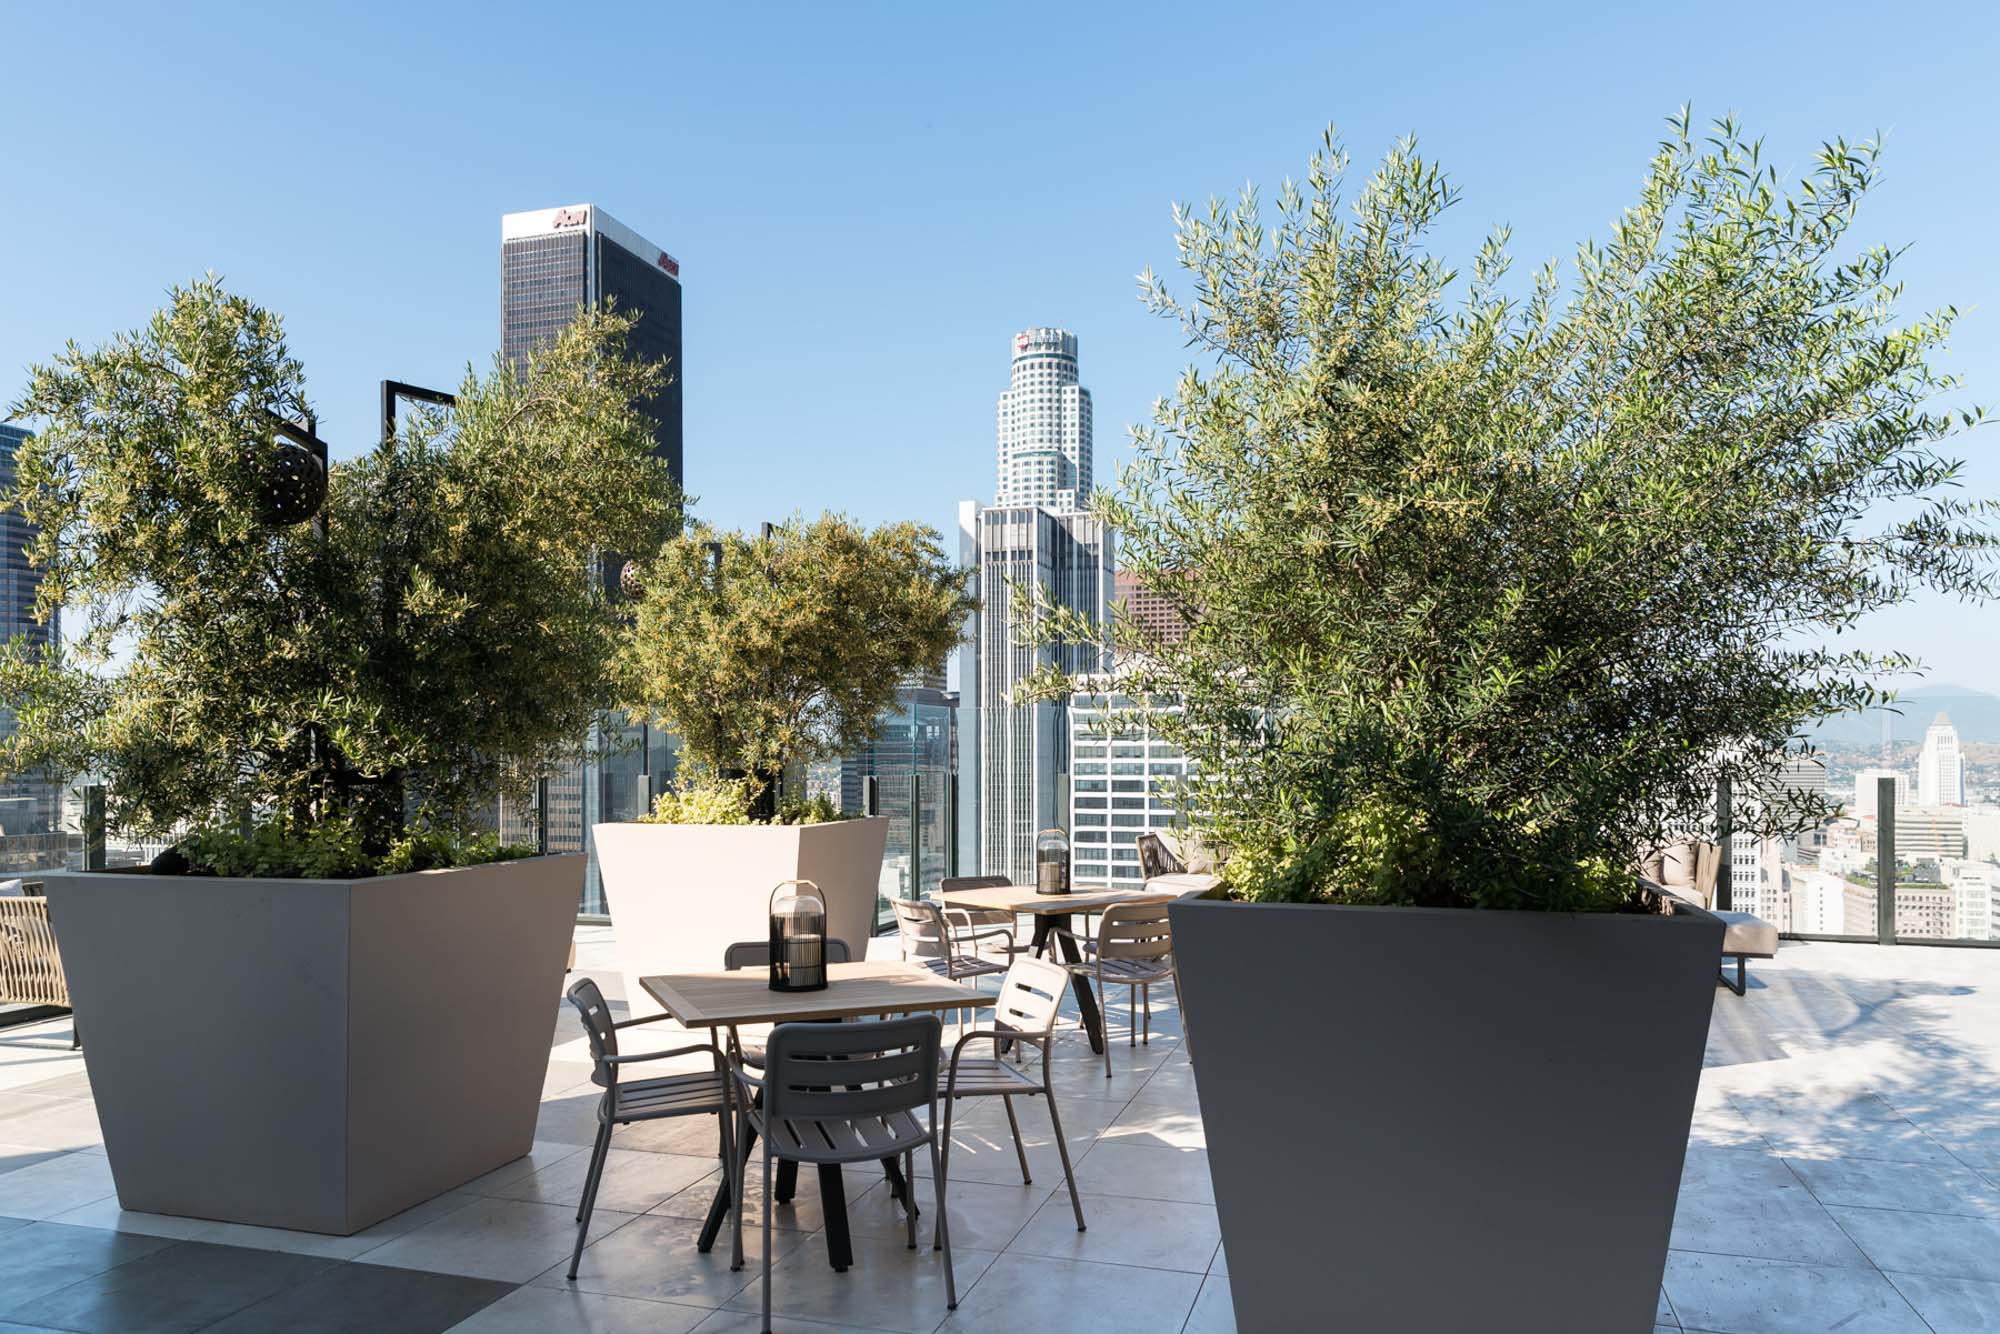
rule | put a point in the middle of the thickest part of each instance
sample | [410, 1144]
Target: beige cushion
[1183, 882]
[1746, 933]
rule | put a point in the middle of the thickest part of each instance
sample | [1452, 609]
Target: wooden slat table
[854, 990]
[1052, 912]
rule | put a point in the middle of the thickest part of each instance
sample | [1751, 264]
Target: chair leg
[1147, 992]
[597, 1156]
[940, 1164]
[1741, 985]
[732, 1177]
[1104, 1018]
[1062, 1148]
[910, 1193]
[767, 1239]
[1020, 1149]
[1132, 1016]
[943, 1227]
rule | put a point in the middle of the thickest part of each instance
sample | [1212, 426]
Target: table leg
[718, 1208]
[1046, 926]
[787, 1184]
[833, 1202]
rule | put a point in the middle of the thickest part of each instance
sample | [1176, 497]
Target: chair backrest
[952, 882]
[1030, 995]
[1135, 931]
[1154, 858]
[597, 1026]
[920, 924]
[757, 953]
[846, 1072]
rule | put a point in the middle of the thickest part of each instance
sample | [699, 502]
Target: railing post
[542, 816]
[1725, 825]
[1885, 860]
[871, 795]
[93, 827]
[916, 834]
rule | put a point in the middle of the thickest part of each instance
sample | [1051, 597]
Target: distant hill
[1975, 713]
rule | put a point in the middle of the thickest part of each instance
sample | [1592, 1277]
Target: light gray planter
[314, 1054]
[1435, 1119]
[681, 894]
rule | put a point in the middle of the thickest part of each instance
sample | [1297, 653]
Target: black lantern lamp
[289, 472]
[798, 937]
[1052, 862]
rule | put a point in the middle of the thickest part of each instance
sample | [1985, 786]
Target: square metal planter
[314, 1054]
[1439, 1119]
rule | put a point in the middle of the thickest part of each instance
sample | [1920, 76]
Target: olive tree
[1486, 585]
[785, 648]
[431, 638]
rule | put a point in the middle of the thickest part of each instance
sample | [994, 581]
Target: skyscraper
[1035, 542]
[1940, 768]
[553, 261]
[1045, 426]
[29, 805]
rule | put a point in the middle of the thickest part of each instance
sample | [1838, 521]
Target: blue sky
[868, 200]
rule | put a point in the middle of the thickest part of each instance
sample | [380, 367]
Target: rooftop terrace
[1843, 1173]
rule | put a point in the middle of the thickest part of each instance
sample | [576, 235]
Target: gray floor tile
[984, 1216]
[177, 1289]
[1154, 1234]
[1933, 1188]
[889, 1287]
[1743, 1202]
[56, 1185]
[1146, 1171]
[1213, 1312]
[48, 1122]
[43, 1257]
[14, 1157]
[1024, 1294]
[538, 1310]
[655, 1259]
[1940, 1245]
[632, 1181]
[367, 1299]
[750, 1322]
[1734, 1293]
[509, 1240]
[1952, 1305]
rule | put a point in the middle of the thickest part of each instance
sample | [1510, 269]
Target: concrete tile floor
[1843, 1172]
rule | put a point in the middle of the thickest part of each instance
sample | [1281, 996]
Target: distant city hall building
[554, 261]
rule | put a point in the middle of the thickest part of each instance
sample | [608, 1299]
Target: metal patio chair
[977, 918]
[1134, 949]
[938, 938]
[1024, 1015]
[833, 1094]
[700, 1093]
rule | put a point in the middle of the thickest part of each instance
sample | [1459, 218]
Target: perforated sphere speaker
[291, 484]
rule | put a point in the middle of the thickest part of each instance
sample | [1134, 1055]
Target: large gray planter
[1432, 1119]
[314, 1054]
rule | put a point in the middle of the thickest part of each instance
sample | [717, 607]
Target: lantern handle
[786, 884]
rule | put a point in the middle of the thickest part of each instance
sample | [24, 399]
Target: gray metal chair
[701, 1093]
[1024, 1015]
[982, 917]
[1134, 948]
[833, 1094]
[944, 940]
[757, 954]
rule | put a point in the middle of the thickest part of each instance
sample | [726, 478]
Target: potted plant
[764, 654]
[331, 999]
[1482, 594]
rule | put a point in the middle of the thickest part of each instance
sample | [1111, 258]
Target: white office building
[1035, 541]
[1941, 768]
[1045, 453]
[1121, 776]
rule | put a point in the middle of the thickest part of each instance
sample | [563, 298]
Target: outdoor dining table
[734, 998]
[1053, 913]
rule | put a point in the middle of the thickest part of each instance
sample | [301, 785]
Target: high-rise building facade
[1035, 542]
[1867, 791]
[30, 805]
[1045, 451]
[1121, 776]
[554, 261]
[1150, 611]
[1940, 766]
[913, 761]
